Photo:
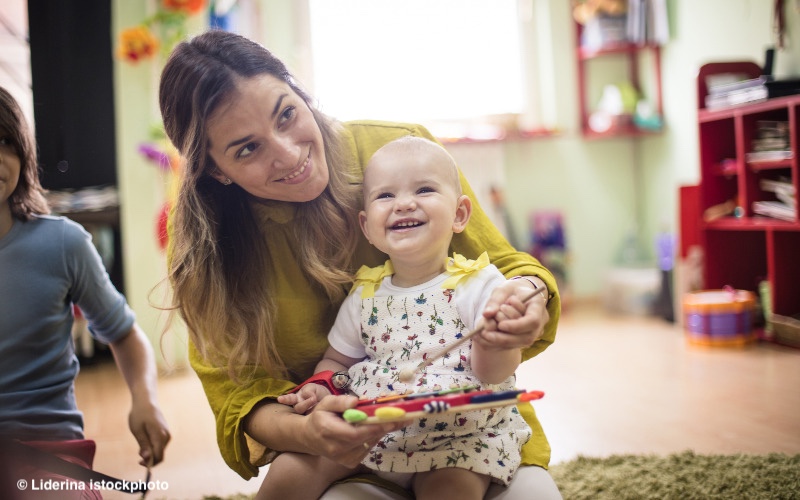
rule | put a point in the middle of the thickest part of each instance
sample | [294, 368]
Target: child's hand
[305, 399]
[149, 427]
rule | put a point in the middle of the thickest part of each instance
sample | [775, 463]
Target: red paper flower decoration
[162, 219]
[137, 43]
[188, 6]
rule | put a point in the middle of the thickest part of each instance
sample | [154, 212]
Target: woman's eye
[5, 141]
[246, 150]
[288, 114]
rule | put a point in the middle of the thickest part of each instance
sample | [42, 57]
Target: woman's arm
[323, 432]
[252, 427]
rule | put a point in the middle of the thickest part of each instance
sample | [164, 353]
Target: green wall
[605, 188]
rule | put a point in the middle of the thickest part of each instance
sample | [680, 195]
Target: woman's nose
[284, 152]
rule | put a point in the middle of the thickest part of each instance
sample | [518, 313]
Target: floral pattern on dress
[399, 330]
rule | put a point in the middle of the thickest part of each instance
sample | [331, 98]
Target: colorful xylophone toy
[400, 407]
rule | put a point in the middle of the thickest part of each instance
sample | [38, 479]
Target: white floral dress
[397, 327]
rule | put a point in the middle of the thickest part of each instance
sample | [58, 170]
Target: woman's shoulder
[380, 132]
[368, 136]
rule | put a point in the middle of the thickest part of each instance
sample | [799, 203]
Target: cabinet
[626, 61]
[73, 93]
[743, 248]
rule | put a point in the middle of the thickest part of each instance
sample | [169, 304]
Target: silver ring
[366, 446]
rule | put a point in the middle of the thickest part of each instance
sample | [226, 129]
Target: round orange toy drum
[719, 317]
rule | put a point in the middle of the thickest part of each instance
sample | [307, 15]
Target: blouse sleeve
[231, 402]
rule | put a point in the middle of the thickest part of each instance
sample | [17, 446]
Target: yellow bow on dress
[460, 267]
[371, 278]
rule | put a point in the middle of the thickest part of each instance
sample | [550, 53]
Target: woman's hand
[510, 323]
[325, 433]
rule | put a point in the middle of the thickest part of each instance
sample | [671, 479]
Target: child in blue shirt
[47, 263]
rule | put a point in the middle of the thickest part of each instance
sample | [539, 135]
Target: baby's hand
[305, 399]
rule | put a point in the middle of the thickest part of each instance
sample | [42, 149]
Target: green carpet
[682, 476]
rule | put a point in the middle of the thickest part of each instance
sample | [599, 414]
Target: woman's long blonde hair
[218, 254]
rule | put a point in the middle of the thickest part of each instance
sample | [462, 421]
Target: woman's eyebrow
[243, 140]
[237, 142]
[278, 105]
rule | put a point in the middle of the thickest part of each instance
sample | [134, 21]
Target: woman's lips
[297, 172]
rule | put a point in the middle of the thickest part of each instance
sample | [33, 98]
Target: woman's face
[265, 139]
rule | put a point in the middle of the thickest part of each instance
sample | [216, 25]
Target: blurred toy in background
[162, 154]
[586, 10]
[505, 224]
[548, 244]
[665, 250]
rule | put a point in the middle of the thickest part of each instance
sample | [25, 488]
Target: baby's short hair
[413, 144]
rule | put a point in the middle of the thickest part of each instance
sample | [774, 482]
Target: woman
[264, 243]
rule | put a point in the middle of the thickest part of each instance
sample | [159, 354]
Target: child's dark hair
[28, 198]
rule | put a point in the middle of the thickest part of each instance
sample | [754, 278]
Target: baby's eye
[426, 189]
[384, 196]
[246, 150]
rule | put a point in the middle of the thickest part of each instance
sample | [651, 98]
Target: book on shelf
[729, 87]
[757, 156]
[783, 189]
[774, 209]
[722, 99]
[777, 186]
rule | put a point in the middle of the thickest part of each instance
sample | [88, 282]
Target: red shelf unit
[742, 251]
[630, 53]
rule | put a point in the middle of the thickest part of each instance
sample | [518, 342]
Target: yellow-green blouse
[305, 314]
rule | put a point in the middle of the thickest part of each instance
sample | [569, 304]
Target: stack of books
[738, 92]
[771, 142]
[784, 207]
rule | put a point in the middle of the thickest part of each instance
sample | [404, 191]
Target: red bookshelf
[743, 249]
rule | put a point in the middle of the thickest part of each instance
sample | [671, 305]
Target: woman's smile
[297, 175]
[266, 140]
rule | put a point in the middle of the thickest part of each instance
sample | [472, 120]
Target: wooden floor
[612, 385]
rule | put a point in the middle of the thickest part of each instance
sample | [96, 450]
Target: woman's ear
[463, 212]
[219, 176]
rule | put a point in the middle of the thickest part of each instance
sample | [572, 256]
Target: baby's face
[411, 202]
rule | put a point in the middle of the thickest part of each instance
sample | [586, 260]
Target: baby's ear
[463, 212]
[362, 221]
